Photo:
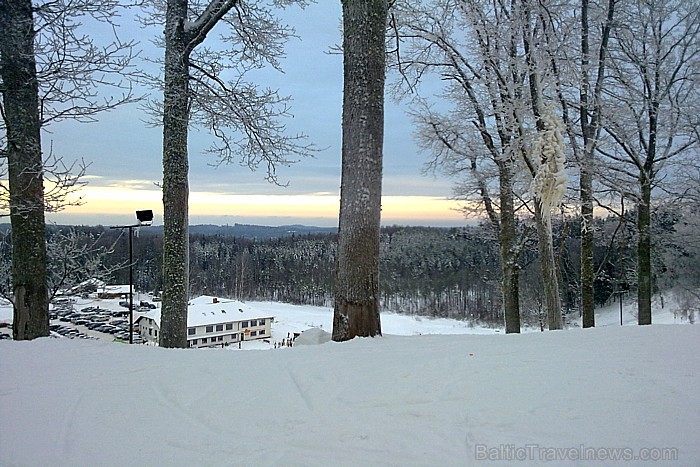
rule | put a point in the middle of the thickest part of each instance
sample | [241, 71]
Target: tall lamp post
[144, 218]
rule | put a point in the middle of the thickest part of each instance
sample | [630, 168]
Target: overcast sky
[125, 153]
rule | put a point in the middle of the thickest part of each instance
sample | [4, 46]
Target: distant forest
[428, 271]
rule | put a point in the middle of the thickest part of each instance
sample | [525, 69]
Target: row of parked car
[96, 319]
[141, 306]
[67, 331]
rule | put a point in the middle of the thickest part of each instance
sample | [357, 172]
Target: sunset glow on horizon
[113, 202]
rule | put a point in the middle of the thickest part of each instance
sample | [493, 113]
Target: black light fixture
[145, 218]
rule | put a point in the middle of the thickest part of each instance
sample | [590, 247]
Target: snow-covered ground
[574, 397]
[297, 318]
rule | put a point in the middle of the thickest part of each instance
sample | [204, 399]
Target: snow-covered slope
[395, 400]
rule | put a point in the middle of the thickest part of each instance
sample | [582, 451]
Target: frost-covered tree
[207, 86]
[74, 256]
[591, 77]
[356, 311]
[651, 111]
[473, 140]
[49, 71]
[496, 61]
[548, 188]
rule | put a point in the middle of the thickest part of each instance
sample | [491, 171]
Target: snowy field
[606, 396]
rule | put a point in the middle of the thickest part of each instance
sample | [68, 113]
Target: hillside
[412, 400]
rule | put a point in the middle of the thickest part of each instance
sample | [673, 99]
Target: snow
[396, 400]
[549, 183]
[313, 336]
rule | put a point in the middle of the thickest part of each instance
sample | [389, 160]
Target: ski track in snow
[302, 393]
[68, 424]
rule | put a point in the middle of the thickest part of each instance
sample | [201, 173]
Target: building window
[210, 328]
[229, 326]
[190, 331]
[220, 338]
[261, 322]
[219, 327]
[155, 333]
[193, 342]
[150, 332]
[261, 332]
[253, 333]
[244, 324]
[204, 340]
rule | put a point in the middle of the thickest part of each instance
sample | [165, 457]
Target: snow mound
[313, 336]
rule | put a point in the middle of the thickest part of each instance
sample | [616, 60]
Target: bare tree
[496, 59]
[49, 72]
[356, 311]
[651, 106]
[592, 76]
[474, 139]
[20, 92]
[243, 117]
[486, 172]
[74, 256]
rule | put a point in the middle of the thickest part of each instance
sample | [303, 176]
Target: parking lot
[95, 319]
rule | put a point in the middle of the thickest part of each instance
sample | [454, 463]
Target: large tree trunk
[175, 179]
[25, 170]
[510, 269]
[356, 310]
[644, 282]
[550, 282]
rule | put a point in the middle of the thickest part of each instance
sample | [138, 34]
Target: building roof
[207, 310]
[116, 289]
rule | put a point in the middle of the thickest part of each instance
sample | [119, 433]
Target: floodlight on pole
[145, 218]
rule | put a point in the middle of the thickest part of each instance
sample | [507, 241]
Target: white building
[214, 322]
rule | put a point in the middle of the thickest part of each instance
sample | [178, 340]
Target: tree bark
[644, 282]
[550, 281]
[586, 181]
[175, 179]
[25, 170]
[587, 242]
[356, 311]
[510, 269]
[590, 109]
